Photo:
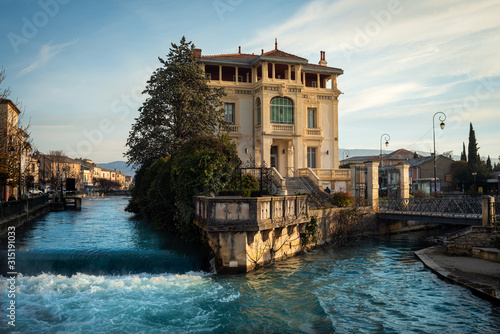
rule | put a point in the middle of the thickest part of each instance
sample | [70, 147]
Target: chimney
[197, 53]
[239, 49]
[322, 60]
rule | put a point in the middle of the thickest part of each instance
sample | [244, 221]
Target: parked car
[35, 192]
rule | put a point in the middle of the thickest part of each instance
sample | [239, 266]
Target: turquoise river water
[101, 270]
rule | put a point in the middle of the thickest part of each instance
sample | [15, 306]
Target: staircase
[304, 185]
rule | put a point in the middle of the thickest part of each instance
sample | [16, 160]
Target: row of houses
[421, 172]
[22, 169]
[48, 169]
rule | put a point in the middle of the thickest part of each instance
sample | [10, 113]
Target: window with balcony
[282, 110]
[229, 112]
[311, 118]
[311, 157]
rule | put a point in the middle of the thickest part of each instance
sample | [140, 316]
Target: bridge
[467, 211]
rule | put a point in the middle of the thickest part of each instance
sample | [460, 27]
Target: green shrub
[165, 188]
[341, 199]
[310, 232]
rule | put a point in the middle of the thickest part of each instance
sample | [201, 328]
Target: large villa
[283, 111]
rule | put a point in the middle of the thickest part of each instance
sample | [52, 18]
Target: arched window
[281, 110]
[259, 111]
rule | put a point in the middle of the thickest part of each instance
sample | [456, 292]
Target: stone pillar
[353, 177]
[372, 183]
[488, 210]
[266, 150]
[404, 180]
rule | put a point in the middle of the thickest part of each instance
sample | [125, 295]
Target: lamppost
[442, 118]
[386, 138]
[346, 154]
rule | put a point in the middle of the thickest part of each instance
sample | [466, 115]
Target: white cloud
[47, 52]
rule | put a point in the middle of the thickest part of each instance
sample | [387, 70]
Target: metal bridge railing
[450, 207]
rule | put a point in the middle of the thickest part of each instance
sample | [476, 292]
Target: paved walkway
[481, 276]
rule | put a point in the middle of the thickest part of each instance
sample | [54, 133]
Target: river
[101, 270]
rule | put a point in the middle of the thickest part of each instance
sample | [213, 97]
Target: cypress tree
[473, 154]
[463, 157]
[488, 164]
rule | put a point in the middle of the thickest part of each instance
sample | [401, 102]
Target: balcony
[313, 132]
[234, 128]
[283, 128]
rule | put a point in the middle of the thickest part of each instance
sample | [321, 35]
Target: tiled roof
[282, 54]
[273, 55]
[233, 56]
[319, 67]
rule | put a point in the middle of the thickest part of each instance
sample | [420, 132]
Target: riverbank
[482, 277]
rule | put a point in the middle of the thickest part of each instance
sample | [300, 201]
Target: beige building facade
[14, 152]
[283, 110]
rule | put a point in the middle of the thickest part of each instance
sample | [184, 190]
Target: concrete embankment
[481, 276]
[23, 218]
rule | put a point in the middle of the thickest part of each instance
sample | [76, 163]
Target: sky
[78, 68]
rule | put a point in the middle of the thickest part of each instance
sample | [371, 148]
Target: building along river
[103, 271]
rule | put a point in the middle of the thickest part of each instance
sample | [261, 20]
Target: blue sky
[79, 67]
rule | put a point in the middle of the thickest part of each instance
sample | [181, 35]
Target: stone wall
[463, 241]
[246, 233]
[341, 225]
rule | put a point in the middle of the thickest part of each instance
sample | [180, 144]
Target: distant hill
[119, 166]
[364, 152]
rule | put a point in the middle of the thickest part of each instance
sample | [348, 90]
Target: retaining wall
[463, 241]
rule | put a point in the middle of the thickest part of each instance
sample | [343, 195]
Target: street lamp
[346, 154]
[387, 138]
[442, 118]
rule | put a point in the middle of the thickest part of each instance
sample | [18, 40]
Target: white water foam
[133, 303]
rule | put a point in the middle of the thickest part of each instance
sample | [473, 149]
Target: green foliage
[310, 232]
[341, 199]
[469, 164]
[488, 164]
[463, 156]
[180, 106]
[473, 155]
[249, 181]
[164, 191]
[249, 184]
[106, 185]
[241, 185]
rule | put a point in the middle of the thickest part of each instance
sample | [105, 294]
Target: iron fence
[13, 208]
[451, 207]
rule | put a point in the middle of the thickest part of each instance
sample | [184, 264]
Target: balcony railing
[313, 132]
[332, 174]
[234, 128]
[283, 128]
